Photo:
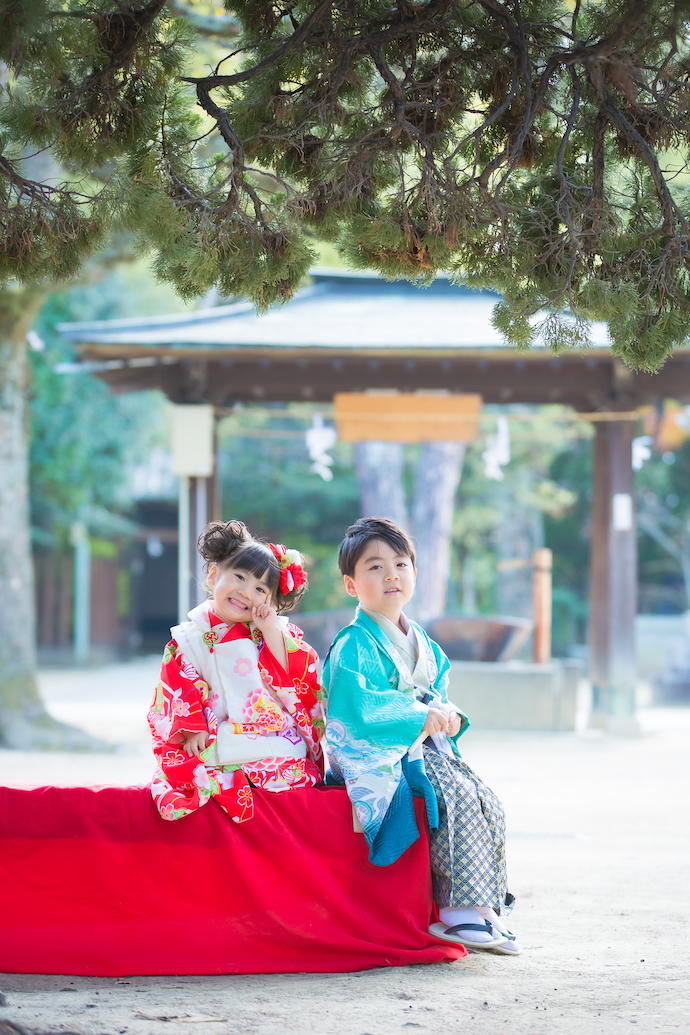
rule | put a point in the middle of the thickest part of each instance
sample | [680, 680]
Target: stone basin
[480, 637]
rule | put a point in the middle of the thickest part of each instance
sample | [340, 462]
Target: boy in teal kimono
[392, 735]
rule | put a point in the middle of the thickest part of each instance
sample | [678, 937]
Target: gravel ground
[598, 856]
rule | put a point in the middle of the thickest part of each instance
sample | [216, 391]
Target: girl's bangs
[257, 560]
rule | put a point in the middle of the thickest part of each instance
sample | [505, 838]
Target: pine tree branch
[44, 193]
[297, 38]
[670, 210]
[632, 21]
[213, 25]
[598, 169]
[422, 136]
[563, 203]
[122, 31]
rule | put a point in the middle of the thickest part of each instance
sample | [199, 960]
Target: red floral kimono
[264, 723]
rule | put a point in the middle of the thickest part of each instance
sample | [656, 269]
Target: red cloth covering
[94, 882]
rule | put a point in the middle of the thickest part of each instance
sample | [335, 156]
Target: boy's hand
[436, 721]
[265, 617]
[454, 724]
[195, 743]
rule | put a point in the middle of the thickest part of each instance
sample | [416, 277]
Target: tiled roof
[337, 310]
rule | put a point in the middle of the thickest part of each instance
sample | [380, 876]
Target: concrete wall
[661, 642]
[517, 695]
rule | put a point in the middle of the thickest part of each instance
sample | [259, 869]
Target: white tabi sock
[450, 917]
[497, 923]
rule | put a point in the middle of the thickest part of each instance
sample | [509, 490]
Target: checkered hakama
[468, 863]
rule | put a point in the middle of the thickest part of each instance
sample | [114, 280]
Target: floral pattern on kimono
[288, 704]
[374, 713]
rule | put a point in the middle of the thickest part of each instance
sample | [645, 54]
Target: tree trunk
[379, 467]
[437, 479]
[468, 602]
[519, 533]
[24, 722]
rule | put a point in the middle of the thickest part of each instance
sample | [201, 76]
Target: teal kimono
[375, 712]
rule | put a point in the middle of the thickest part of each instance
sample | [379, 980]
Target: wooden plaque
[406, 417]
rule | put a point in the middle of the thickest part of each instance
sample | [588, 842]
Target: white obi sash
[237, 694]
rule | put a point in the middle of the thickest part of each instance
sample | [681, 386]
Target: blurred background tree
[506, 511]
[84, 440]
[82, 444]
[663, 504]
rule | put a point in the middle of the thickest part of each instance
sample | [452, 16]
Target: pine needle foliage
[537, 147]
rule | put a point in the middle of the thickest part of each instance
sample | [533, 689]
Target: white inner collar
[408, 629]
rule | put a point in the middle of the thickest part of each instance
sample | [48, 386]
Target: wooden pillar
[542, 564]
[194, 446]
[203, 507]
[82, 592]
[197, 520]
[214, 503]
[184, 597]
[613, 580]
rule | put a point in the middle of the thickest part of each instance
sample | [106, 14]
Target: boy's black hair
[366, 529]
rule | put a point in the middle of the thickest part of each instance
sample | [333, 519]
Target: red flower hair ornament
[292, 574]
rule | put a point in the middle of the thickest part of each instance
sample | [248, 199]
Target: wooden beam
[226, 376]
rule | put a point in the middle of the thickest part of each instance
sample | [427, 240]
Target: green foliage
[662, 502]
[547, 484]
[567, 534]
[663, 516]
[539, 149]
[84, 439]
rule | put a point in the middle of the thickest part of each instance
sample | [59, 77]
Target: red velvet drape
[95, 882]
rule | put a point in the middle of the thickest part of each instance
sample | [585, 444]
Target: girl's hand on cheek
[264, 617]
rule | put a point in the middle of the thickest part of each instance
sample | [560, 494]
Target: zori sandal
[511, 947]
[458, 936]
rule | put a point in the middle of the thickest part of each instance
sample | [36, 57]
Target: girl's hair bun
[220, 539]
[231, 543]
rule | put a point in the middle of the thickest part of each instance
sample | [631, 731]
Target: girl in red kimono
[238, 702]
